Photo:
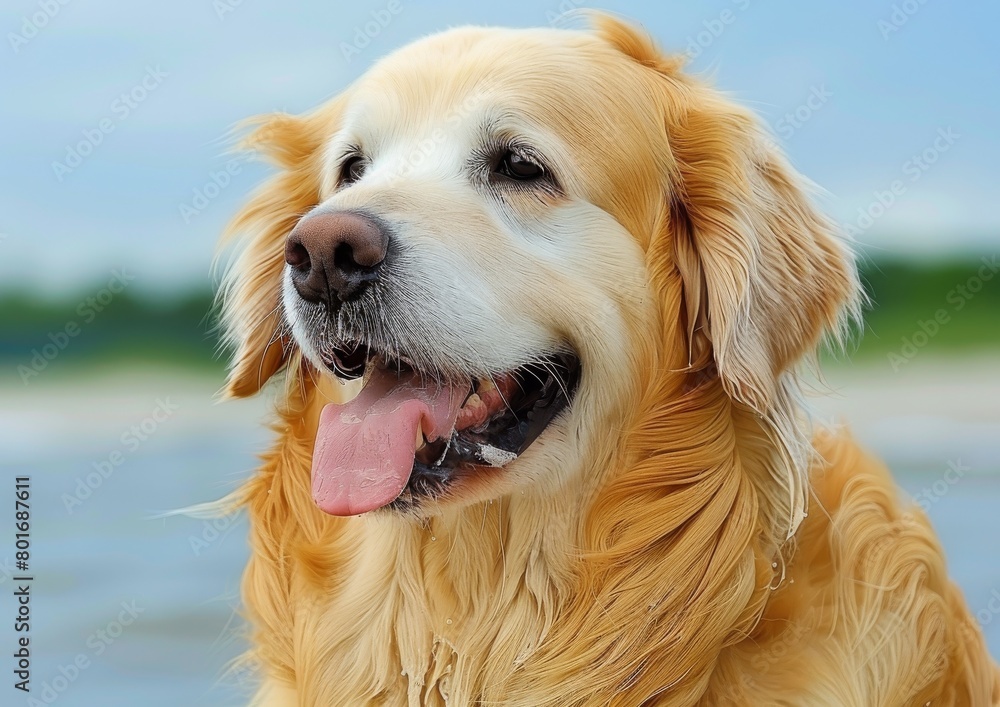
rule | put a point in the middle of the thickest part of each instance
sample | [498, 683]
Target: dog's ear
[764, 273]
[752, 271]
[252, 315]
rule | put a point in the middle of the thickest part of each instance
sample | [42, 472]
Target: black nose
[335, 256]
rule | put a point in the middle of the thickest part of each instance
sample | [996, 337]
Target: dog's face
[493, 276]
[492, 229]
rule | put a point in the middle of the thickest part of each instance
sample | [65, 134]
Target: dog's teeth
[494, 456]
[486, 384]
[420, 441]
[473, 402]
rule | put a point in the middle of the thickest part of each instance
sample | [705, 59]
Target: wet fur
[715, 549]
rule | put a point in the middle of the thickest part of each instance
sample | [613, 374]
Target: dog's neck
[433, 610]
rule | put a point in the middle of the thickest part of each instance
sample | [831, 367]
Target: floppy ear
[252, 315]
[764, 274]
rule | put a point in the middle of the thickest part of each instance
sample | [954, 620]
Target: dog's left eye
[518, 167]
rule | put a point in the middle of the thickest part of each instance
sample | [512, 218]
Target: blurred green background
[178, 329]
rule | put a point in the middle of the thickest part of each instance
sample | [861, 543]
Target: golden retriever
[574, 287]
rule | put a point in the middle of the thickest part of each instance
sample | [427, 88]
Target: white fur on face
[486, 278]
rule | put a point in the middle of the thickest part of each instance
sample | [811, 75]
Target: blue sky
[874, 84]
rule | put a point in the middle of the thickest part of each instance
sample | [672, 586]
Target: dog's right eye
[352, 170]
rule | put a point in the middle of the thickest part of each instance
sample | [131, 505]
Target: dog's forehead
[586, 105]
[463, 76]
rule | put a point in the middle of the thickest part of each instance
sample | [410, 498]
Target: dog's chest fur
[421, 616]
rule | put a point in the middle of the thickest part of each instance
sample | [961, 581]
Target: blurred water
[179, 575]
[183, 579]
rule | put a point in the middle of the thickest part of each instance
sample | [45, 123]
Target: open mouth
[410, 434]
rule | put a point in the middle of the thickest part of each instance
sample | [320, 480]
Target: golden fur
[680, 566]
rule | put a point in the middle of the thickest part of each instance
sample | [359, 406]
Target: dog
[540, 302]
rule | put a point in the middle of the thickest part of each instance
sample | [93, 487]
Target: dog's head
[513, 237]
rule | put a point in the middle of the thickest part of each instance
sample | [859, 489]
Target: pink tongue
[365, 448]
